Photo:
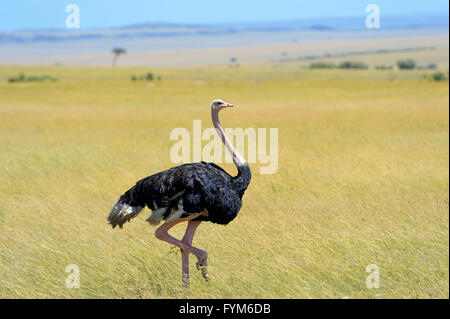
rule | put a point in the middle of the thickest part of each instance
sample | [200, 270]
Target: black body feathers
[194, 187]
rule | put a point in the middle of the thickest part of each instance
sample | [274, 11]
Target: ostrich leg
[187, 240]
[161, 234]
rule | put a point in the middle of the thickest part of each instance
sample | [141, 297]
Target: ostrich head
[218, 104]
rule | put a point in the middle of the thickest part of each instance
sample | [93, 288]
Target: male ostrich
[190, 192]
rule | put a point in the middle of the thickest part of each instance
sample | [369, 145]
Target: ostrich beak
[227, 105]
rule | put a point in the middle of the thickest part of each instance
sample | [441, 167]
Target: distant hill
[171, 30]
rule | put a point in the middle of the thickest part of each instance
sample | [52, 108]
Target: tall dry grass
[363, 179]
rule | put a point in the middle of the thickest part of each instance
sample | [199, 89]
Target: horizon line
[224, 24]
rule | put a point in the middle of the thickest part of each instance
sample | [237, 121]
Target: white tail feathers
[122, 212]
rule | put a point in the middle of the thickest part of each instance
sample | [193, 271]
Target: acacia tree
[117, 52]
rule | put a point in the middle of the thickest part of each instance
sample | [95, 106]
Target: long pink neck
[238, 159]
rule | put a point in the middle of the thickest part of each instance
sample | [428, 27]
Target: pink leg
[187, 239]
[161, 233]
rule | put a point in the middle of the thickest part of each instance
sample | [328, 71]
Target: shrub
[32, 78]
[146, 77]
[438, 76]
[383, 67]
[430, 66]
[322, 65]
[407, 64]
[353, 65]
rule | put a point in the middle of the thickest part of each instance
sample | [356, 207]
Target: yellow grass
[363, 179]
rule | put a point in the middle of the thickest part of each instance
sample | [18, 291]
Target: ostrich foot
[203, 265]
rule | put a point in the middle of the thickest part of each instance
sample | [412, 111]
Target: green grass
[363, 179]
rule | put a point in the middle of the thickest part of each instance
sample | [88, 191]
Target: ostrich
[190, 193]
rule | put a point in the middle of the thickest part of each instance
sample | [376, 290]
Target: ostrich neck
[238, 159]
[242, 180]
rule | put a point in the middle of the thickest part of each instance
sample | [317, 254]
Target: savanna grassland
[362, 179]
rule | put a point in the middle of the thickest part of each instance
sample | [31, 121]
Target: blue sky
[39, 14]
